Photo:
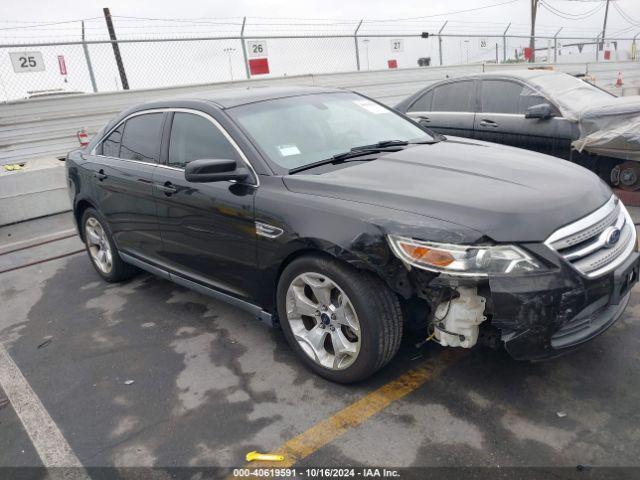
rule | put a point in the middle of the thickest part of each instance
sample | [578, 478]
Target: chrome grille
[584, 243]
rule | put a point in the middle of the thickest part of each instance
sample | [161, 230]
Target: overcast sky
[516, 12]
[152, 64]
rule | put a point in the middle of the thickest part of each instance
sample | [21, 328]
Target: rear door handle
[488, 123]
[100, 175]
[168, 188]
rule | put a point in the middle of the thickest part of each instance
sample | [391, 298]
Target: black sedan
[346, 223]
[545, 111]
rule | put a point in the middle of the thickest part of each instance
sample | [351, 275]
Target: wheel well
[300, 253]
[81, 206]
[290, 258]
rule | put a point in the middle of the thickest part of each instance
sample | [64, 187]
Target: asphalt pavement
[147, 373]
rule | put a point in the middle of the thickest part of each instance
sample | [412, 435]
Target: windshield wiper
[360, 151]
[382, 144]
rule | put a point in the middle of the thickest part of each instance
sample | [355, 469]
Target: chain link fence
[36, 69]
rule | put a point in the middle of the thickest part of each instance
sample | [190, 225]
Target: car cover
[611, 129]
[609, 125]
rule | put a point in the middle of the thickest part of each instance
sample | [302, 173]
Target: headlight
[462, 260]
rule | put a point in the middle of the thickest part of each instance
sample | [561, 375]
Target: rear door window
[141, 138]
[453, 97]
[423, 104]
[502, 96]
[194, 138]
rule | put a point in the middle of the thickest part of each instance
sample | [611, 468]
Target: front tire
[102, 250]
[343, 323]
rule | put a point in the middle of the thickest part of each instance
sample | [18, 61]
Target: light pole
[366, 45]
[230, 50]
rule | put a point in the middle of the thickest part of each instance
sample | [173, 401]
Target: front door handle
[100, 175]
[423, 119]
[488, 123]
[168, 188]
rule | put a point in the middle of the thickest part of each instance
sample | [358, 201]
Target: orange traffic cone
[619, 80]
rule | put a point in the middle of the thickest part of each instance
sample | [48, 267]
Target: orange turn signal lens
[430, 256]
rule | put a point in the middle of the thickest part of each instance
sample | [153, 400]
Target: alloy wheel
[323, 320]
[98, 245]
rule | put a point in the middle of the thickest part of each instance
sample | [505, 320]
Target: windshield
[570, 93]
[300, 130]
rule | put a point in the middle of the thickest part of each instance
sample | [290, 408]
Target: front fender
[349, 231]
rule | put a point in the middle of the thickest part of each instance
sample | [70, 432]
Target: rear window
[141, 138]
[453, 97]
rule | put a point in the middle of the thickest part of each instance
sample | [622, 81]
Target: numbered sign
[397, 45]
[483, 43]
[257, 48]
[27, 62]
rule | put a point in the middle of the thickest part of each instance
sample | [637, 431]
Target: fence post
[244, 49]
[504, 43]
[116, 48]
[440, 41]
[597, 46]
[555, 46]
[87, 58]
[355, 39]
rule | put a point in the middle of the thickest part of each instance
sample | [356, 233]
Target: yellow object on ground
[15, 166]
[267, 457]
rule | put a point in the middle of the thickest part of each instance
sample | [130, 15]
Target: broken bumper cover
[547, 315]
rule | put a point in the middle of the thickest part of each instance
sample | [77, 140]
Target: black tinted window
[423, 104]
[453, 97]
[500, 96]
[194, 137]
[111, 145]
[141, 138]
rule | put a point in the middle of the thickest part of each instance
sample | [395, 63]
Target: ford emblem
[611, 236]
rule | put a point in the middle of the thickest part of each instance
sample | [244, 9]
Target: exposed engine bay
[456, 322]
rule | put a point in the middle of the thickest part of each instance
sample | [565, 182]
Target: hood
[611, 128]
[615, 106]
[505, 193]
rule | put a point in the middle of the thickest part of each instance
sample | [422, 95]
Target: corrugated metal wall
[47, 127]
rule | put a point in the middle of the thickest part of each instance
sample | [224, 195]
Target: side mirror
[205, 170]
[542, 111]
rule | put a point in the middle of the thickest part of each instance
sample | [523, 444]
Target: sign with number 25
[27, 61]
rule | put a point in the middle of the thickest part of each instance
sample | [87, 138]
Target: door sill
[249, 307]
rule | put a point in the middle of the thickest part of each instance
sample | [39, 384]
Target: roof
[233, 97]
[521, 74]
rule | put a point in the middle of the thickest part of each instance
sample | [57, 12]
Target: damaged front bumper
[547, 315]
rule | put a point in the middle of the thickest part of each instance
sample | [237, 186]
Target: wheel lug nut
[322, 325]
[333, 316]
[333, 329]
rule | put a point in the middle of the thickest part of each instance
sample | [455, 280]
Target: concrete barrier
[37, 190]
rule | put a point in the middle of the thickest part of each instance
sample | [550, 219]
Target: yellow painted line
[351, 416]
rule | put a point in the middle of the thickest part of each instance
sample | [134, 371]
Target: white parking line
[53, 449]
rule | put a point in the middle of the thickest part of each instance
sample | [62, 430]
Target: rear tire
[102, 250]
[345, 324]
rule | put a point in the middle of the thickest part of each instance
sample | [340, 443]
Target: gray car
[545, 111]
